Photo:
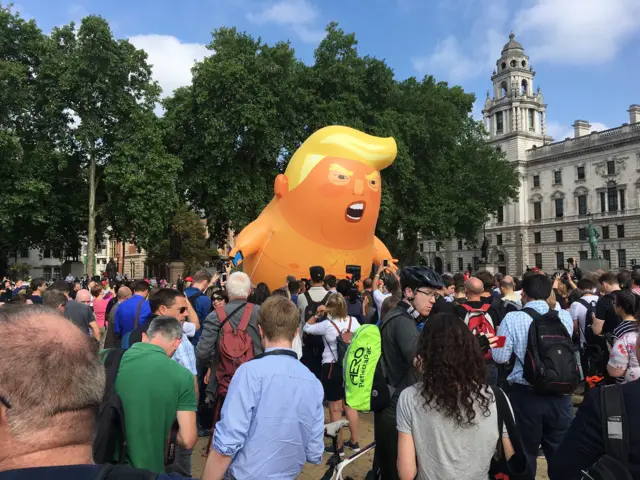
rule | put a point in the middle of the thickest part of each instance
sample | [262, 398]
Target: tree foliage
[251, 105]
[81, 146]
[195, 250]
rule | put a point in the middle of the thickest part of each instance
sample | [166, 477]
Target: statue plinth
[176, 269]
[594, 264]
[485, 267]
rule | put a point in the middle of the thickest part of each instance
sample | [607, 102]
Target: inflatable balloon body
[324, 211]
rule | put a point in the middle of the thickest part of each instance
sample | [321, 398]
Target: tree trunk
[411, 244]
[91, 234]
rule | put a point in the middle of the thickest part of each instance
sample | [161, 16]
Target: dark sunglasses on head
[5, 401]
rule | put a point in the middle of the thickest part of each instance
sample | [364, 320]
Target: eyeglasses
[218, 299]
[183, 309]
[433, 295]
[5, 401]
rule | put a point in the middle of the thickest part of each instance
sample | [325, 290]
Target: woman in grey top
[447, 422]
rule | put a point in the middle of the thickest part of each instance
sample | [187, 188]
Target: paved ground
[357, 470]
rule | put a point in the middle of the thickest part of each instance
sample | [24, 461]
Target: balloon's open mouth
[355, 211]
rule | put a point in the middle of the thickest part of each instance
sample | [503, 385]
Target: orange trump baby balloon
[324, 211]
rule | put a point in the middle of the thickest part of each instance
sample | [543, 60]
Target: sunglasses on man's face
[183, 309]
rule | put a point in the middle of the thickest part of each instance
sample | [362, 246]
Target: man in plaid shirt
[542, 419]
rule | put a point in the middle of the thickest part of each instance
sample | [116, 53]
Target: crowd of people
[119, 379]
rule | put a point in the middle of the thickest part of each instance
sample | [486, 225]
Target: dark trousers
[541, 420]
[386, 436]
[492, 374]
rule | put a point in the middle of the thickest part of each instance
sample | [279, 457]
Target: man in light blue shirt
[272, 420]
[541, 419]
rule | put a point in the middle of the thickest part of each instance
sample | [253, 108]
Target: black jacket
[583, 444]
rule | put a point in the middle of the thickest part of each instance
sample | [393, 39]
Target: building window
[498, 239]
[537, 210]
[559, 236]
[56, 273]
[560, 259]
[611, 167]
[557, 177]
[583, 254]
[622, 200]
[499, 123]
[559, 207]
[622, 258]
[437, 246]
[460, 264]
[459, 244]
[57, 253]
[605, 233]
[536, 181]
[538, 260]
[500, 215]
[606, 254]
[603, 202]
[581, 175]
[620, 231]
[46, 253]
[501, 257]
[612, 195]
[421, 247]
[537, 237]
[582, 205]
[24, 252]
[582, 234]
[532, 126]
[46, 273]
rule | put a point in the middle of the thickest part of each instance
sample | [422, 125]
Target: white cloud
[584, 32]
[454, 60]
[560, 131]
[171, 59]
[299, 15]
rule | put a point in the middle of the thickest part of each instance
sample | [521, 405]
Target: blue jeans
[541, 420]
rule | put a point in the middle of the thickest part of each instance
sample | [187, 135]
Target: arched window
[524, 88]
[503, 65]
[504, 88]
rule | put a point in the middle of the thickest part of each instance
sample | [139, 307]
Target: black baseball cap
[317, 274]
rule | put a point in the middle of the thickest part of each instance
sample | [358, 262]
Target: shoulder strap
[349, 327]
[137, 320]
[326, 298]
[225, 317]
[112, 365]
[246, 316]
[584, 303]
[506, 416]
[615, 429]
[336, 327]
[532, 313]
[308, 297]
[222, 315]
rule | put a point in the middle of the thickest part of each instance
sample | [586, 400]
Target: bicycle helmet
[419, 276]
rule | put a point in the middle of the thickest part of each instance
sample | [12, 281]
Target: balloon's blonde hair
[340, 142]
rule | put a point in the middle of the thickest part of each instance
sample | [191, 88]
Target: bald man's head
[52, 377]
[507, 285]
[474, 288]
[124, 293]
[83, 296]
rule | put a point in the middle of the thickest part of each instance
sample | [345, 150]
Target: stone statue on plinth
[112, 270]
[484, 249]
[593, 236]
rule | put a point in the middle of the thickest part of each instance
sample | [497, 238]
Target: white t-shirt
[330, 335]
[379, 298]
[579, 312]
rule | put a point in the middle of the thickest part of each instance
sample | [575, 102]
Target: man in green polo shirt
[156, 390]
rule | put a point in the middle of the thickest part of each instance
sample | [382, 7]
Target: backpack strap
[112, 365]
[615, 428]
[336, 327]
[223, 318]
[137, 320]
[246, 316]
[505, 417]
[308, 297]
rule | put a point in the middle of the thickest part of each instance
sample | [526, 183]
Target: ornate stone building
[593, 175]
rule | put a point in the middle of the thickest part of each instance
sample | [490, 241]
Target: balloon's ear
[281, 186]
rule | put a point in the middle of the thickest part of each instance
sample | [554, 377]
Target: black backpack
[550, 365]
[589, 336]
[613, 465]
[111, 438]
[313, 341]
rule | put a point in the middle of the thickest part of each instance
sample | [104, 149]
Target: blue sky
[582, 50]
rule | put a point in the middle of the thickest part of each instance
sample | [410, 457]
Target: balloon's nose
[358, 187]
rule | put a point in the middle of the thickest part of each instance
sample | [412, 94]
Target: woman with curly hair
[448, 421]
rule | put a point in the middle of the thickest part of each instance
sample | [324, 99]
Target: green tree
[113, 135]
[232, 126]
[195, 251]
